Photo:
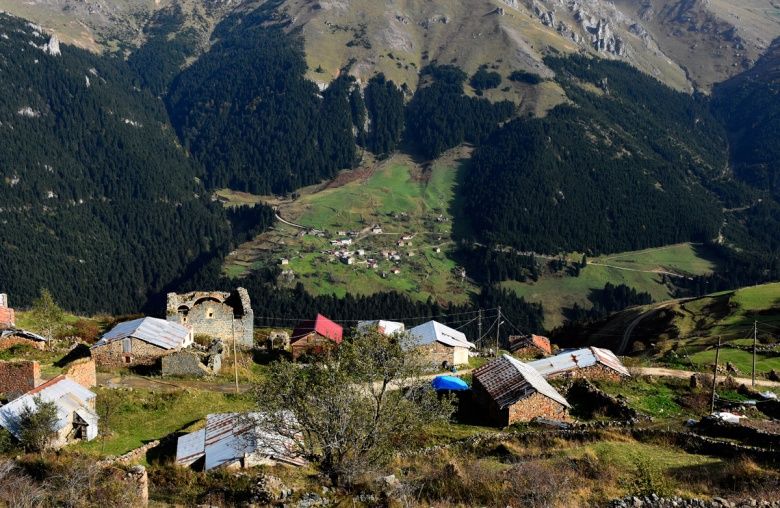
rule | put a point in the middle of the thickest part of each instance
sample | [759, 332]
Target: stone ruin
[278, 341]
[195, 361]
[217, 314]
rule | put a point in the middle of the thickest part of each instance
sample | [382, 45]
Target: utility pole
[715, 377]
[755, 341]
[498, 329]
[235, 355]
[479, 325]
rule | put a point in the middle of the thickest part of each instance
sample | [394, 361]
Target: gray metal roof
[22, 333]
[579, 359]
[228, 437]
[161, 333]
[68, 395]
[433, 331]
[508, 380]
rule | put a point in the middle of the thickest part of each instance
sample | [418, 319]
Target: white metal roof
[22, 333]
[535, 379]
[229, 437]
[161, 333]
[579, 359]
[386, 327]
[433, 331]
[68, 395]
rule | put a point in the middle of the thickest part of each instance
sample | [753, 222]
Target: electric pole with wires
[479, 326]
[755, 341]
[498, 329]
[715, 377]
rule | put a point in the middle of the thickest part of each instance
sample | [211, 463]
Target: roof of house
[68, 395]
[508, 380]
[386, 327]
[579, 359]
[433, 331]
[538, 341]
[320, 325]
[228, 437]
[22, 333]
[159, 332]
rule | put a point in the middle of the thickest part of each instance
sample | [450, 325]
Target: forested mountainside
[97, 201]
[626, 166]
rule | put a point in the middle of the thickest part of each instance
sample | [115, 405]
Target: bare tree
[356, 406]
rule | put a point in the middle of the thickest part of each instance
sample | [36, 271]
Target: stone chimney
[7, 318]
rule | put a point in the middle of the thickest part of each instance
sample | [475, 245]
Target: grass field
[683, 258]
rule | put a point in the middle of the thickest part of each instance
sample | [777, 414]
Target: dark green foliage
[358, 109]
[99, 204]
[385, 105]
[440, 117]
[525, 77]
[484, 79]
[37, 424]
[621, 171]
[249, 221]
[166, 50]
[245, 110]
[608, 300]
[491, 264]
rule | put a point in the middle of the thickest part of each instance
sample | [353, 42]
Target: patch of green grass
[653, 397]
[683, 257]
[742, 360]
[130, 419]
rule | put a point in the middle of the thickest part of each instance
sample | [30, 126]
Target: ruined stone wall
[215, 314]
[141, 353]
[82, 371]
[437, 353]
[595, 372]
[534, 406]
[529, 352]
[15, 340]
[184, 363]
[18, 378]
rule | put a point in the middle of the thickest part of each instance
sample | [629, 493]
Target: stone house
[18, 377]
[140, 342]
[529, 347]
[511, 391]
[15, 337]
[220, 315]
[315, 337]
[76, 416]
[441, 344]
[7, 318]
[588, 363]
[234, 441]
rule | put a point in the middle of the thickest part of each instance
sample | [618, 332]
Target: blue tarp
[449, 383]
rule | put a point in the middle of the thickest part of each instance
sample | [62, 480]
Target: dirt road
[686, 374]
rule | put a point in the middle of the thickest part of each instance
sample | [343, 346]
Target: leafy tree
[47, 314]
[37, 425]
[356, 407]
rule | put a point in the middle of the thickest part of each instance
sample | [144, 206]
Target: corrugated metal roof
[322, 325]
[161, 333]
[228, 437]
[433, 331]
[68, 395]
[508, 380]
[579, 359]
[22, 333]
[386, 327]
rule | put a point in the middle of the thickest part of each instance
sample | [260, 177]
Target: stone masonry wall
[82, 371]
[14, 340]
[184, 363]
[536, 405]
[595, 372]
[215, 314]
[18, 378]
[437, 353]
[141, 353]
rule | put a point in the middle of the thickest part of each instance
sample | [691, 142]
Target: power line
[408, 318]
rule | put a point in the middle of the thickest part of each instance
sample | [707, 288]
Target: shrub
[485, 80]
[525, 77]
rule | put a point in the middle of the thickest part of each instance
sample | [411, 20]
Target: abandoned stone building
[588, 363]
[226, 316]
[7, 318]
[195, 361]
[441, 344]
[511, 391]
[14, 337]
[18, 377]
[140, 342]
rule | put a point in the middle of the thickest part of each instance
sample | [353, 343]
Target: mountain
[99, 202]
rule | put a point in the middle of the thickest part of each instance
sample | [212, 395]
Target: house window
[210, 313]
[126, 345]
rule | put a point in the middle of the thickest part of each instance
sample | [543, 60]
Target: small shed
[141, 342]
[589, 363]
[76, 416]
[442, 344]
[315, 336]
[235, 440]
[511, 391]
[530, 347]
[16, 337]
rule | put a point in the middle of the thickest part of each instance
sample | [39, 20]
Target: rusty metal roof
[161, 333]
[229, 437]
[579, 359]
[508, 380]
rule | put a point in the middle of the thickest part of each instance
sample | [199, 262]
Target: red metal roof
[320, 325]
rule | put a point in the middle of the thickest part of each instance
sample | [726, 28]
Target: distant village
[202, 326]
